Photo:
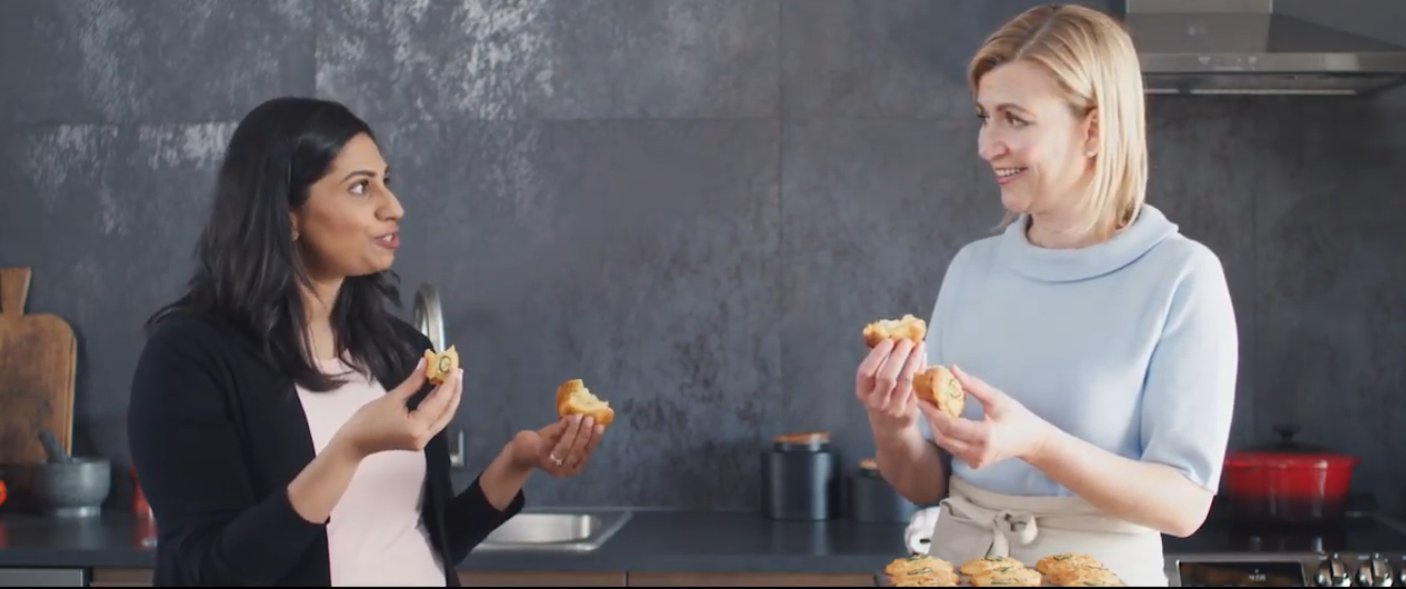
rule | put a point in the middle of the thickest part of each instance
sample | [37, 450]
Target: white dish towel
[919, 533]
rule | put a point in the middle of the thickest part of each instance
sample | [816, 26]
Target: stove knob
[1332, 573]
[1376, 573]
[1382, 573]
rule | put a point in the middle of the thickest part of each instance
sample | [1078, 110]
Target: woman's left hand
[560, 449]
[1008, 431]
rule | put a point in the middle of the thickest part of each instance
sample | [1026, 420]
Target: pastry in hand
[439, 366]
[909, 327]
[573, 398]
[939, 386]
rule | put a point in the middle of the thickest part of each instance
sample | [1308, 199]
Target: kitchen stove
[1365, 549]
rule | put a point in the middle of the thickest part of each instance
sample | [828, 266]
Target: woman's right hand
[884, 384]
[388, 424]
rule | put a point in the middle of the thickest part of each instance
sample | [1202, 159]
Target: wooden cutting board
[38, 358]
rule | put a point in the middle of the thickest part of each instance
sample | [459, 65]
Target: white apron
[975, 523]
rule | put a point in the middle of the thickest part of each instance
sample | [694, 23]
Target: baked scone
[937, 384]
[1014, 576]
[934, 579]
[574, 398]
[927, 582]
[909, 327]
[439, 366]
[976, 566]
[915, 562]
[1085, 577]
[1066, 561]
[925, 577]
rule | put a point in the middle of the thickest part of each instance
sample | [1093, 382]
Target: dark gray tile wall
[692, 204]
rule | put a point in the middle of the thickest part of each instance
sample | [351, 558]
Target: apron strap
[1006, 526]
[1009, 524]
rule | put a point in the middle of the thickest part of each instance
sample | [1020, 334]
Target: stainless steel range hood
[1252, 47]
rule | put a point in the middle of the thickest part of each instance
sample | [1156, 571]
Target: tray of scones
[1058, 570]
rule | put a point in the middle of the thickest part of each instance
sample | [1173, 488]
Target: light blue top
[1130, 345]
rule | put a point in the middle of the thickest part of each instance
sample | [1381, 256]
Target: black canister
[799, 478]
[873, 500]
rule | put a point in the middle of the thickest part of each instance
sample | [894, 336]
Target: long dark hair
[248, 272]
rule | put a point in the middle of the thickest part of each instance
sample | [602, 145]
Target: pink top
[375, 536]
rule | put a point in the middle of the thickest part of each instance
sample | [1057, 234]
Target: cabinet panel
[142, 578]
[114, 577]
[121, 578]
[750, 580]
[541, 579]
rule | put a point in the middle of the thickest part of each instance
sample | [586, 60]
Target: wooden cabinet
[750, 580]
[121, 578]
[541, 579]
[107, 577]
[113, 577]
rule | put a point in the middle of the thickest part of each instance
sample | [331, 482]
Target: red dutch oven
[1288, 482]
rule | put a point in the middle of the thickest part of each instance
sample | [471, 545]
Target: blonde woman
[1098, 343]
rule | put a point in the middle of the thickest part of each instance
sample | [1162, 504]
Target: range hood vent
[1247, 47]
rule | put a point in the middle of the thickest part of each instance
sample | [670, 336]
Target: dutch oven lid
[1287, 453]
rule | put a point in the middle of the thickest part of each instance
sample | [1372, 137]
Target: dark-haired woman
[280, 422]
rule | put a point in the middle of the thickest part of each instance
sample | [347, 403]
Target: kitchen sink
[555, 530]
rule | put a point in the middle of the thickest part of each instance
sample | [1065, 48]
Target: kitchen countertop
[651, 541]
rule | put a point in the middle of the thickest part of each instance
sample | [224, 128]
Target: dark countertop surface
[662, 541]
[651, 541]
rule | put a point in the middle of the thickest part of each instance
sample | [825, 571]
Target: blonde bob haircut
[1091, 58]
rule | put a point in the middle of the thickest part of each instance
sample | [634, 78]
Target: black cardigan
[216, 436]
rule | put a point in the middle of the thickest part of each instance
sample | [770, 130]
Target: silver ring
[554, 458]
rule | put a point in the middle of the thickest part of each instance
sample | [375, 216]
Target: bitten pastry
[909, 327]
[574, 398]
[439, 366]
[937, 384]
